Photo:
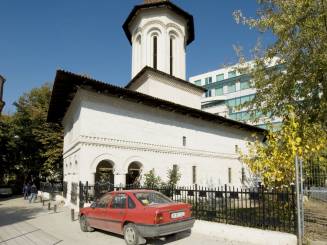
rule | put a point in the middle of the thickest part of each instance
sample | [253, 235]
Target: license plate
[177, 215]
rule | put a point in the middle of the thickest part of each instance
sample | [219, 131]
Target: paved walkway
[22, 223]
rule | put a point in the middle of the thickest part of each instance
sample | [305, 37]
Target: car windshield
[151, 198]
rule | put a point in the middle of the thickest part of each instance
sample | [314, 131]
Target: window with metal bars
[194, 174]
[229, 175]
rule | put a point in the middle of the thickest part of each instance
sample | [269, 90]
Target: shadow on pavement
[9, 198]
[11, 215]
[169, 239]
[155, 241]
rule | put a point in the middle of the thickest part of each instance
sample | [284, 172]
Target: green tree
[34, 146]
[8, 154]
[273, 161]
[300, 29]
[295, 89]
[173, 175]
[151, 180]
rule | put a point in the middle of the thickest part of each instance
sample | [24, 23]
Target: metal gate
[312, 185]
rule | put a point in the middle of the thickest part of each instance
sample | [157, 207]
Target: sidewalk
[22, 223]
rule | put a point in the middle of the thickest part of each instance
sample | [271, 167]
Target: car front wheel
[131, 234]
[84, 224]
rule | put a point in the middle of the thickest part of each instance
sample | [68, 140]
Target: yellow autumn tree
[273, 159]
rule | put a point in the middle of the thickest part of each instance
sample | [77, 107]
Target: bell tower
[159, 32]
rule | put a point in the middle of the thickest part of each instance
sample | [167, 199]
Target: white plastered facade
[99, 127]
[164, 24]
[167, 88]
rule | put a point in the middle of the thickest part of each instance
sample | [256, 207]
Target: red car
[137, 214]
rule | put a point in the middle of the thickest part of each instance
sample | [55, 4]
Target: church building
[117, 134]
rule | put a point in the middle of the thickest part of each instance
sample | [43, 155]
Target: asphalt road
[22, 223]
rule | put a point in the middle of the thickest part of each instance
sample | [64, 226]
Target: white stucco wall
[160, 86]
[72, 122]
[122, 132]
[221, 110]
[164, 23]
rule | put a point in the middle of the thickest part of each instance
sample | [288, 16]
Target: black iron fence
[90, 193]
[252, 207]
[51, 187]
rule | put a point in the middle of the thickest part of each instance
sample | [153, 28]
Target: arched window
[138, 52]
[171, 55]
[173, 52]
[155, 51]
[138, 39]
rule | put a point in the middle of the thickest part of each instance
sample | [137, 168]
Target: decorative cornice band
[84, 140]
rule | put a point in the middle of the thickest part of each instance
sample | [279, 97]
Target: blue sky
[82, 36]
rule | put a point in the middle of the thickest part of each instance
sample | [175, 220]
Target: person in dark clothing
[33, 193]
[28, 189]
[25, 191]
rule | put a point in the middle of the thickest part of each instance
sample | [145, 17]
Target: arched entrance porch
[105, 172]
[133, 175]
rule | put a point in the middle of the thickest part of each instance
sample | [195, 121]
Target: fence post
[87, 192]
[298, 204]
[301, 195]
[225, 204]
[81, 196]
[294, 208]
[196, 200]
[263, 207]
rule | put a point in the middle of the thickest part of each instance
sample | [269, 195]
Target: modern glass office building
[227, 90]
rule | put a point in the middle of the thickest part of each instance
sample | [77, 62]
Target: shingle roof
[163, 4]
[66, 85]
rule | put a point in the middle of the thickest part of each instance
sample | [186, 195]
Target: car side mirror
[93, 204]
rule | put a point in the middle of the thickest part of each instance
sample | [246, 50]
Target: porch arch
[129, 160]
[133, 168]
[133, 176]
[105, 172]
[103, 157]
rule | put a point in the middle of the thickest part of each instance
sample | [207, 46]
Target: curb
[242, 234]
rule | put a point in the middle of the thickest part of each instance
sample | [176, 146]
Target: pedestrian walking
[28, 189]
[25, 191]
[33, 193]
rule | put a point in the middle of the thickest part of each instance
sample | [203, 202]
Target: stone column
[120, 180]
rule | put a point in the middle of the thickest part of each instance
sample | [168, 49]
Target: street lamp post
[2, 103]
